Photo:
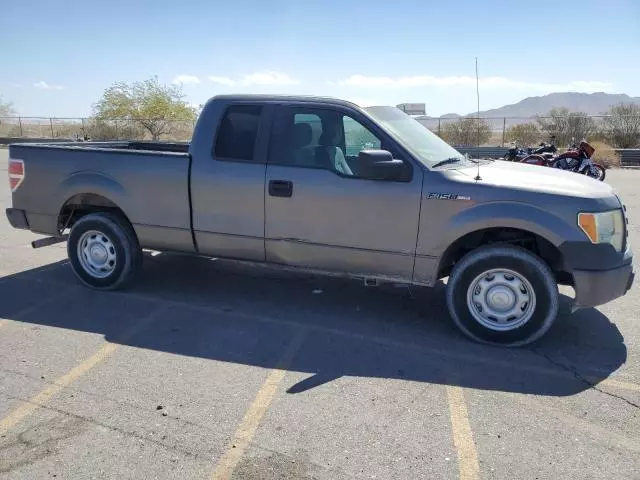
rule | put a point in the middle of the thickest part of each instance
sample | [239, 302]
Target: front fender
[505, 215]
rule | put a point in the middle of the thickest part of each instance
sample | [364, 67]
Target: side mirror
[380, 165]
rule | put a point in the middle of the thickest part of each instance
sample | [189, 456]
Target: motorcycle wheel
[598, 172]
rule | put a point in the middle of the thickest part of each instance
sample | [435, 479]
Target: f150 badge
[447, 196]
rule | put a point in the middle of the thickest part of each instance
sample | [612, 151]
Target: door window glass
[237, 133]
[319, 138]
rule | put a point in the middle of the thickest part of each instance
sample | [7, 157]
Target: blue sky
[56, 58]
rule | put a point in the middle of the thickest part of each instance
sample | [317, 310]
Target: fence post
[20, 125]
[51, 123]
[504, 127]
[439, 126]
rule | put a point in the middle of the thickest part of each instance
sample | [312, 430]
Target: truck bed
[165, 147]
[148, 180]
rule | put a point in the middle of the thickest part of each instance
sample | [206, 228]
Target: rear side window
[237, 133]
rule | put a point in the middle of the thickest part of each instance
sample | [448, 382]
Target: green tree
[622, 127]
[523, 134]
[567, 126]
[157, 108]
[6, 109]
[466, 131]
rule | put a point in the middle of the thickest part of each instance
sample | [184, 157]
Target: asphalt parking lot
[213, 369]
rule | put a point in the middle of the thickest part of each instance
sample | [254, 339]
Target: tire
[524, 289]
[115, 255]
[601, 171]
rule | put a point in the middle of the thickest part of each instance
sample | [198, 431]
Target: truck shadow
[233, 312]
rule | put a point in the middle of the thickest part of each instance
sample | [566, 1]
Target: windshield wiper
[446, 162]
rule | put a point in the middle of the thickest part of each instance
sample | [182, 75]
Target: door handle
[280, 188]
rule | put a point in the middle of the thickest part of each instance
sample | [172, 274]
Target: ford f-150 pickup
[324, 185]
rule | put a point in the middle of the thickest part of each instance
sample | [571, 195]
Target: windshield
[425, 145]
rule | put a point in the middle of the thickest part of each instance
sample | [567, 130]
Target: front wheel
[104, 251]
[597, 171]
[502, 295]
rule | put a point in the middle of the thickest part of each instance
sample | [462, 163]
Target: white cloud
[186, 79]
[222, 80]
[45, 86]
[268, 78]
[454, 81]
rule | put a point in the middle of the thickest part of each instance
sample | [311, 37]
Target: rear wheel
[502, 295]
[104, 251]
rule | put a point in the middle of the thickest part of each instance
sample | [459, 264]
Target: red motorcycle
[576, 159]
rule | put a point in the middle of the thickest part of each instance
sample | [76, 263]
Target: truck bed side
[150, 187]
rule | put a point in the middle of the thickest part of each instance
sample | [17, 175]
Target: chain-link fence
[622, 131]
[618, 131]
[91, 128]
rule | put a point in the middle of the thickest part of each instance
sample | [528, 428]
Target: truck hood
[534, 178]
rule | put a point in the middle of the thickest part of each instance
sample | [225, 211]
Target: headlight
[604, 227]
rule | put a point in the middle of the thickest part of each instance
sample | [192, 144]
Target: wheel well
[83, 204]
[512, 236]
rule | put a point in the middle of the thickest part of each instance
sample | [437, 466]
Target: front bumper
[596, 287]
[17, 218]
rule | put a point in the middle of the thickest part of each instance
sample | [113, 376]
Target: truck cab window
[358, 137]
[318, 138]
[238, 132]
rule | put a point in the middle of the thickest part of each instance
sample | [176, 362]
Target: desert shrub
[466, 131]
[622, 126]
[101, 130]
[524, 134]
[567, 126]
[67, 130]
[605, 155]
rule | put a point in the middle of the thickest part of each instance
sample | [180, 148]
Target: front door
[322, 210]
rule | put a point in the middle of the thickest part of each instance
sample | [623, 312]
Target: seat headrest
[302, 135]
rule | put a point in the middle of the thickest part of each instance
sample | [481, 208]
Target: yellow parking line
[441, 352]
[30, 406]
[41, 398]
[468, 465]
[26, 311]
[31, 308]
[617, 384]
[254, 415]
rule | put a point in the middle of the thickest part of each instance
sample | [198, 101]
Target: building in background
[412, 108]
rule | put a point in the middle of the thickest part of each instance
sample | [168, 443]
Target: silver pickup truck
[324, 185]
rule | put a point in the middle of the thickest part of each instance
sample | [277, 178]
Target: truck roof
[285, 98]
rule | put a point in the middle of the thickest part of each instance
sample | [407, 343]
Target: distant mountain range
[590, 103]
